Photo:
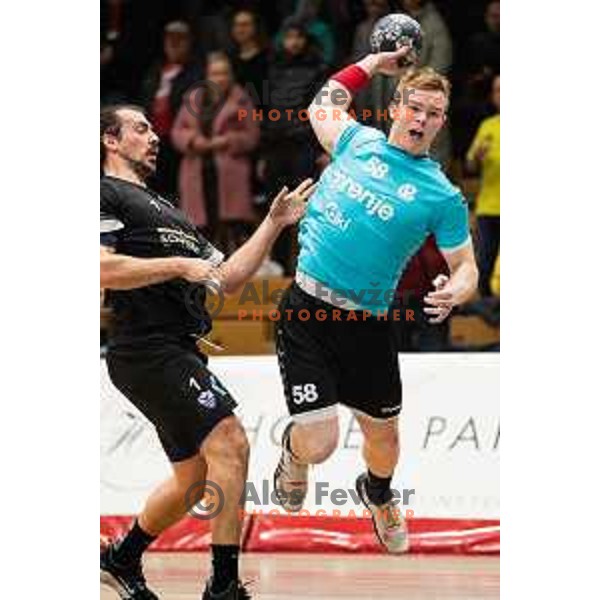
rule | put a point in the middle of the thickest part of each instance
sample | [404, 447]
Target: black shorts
[168, 381]
[326, 359]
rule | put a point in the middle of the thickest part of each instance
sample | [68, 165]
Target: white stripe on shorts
[319, 414]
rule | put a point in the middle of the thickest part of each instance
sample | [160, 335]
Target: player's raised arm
[328, 111]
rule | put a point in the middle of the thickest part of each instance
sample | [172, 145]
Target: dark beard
[143, 171]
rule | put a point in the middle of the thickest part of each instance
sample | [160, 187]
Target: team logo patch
[207, 399]
[407, 192]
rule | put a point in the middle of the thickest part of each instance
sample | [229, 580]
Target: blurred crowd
[266, 56]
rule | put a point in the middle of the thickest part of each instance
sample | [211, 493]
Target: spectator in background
[209, 25]
[109, 92]
[162, 94]
[113, 27]
[130, 39]
[308, 12]
[483, 54]
[250, 57]
[215, 171]
[479, 65]
[342, 18]
[436, 53]
[250, 61]
[437, 43]
[361, 45]
[289, 148]
[484, 158]
[378, 95]
[273, 13]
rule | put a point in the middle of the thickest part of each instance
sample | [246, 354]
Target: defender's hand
[289, 207]
[196, 269]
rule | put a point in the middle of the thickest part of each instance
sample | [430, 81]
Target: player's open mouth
[415, 135]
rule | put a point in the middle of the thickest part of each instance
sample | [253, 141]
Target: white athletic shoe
[388, 522]
[290, 480]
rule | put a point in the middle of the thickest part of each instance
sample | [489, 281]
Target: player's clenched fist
[388, 63]
[392, 63]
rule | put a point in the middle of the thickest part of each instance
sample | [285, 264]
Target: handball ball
[394, 31]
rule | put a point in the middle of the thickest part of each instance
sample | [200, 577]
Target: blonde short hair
[423, 78]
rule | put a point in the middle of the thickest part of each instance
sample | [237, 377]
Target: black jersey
[136, 221]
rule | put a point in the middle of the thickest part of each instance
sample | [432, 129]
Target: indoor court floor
[176, 576]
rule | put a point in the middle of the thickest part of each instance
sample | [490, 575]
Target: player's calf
[226, 451]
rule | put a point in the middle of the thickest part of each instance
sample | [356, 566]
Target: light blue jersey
[373, 209]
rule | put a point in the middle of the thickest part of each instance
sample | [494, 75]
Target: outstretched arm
[122, 272]
[287, 208]
[328, 111]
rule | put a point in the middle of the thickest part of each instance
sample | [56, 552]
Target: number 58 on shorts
[306, 393]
